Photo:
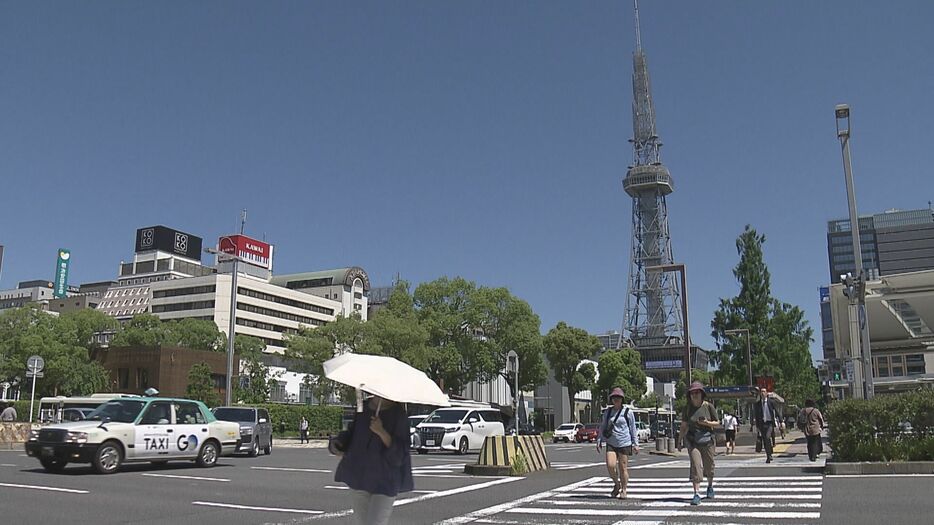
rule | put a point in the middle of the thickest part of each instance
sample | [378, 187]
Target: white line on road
[7, 465]
[681, 503]
[287, 469]
[183, 477]
[38, 487]
[749, 484]
[335, 487]
[496, 509]
[877, 475]
[666, 512]
[249, 507]
[742, 490]
[744, 497]
[729, 478]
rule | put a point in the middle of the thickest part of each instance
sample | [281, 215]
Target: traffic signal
[837, 376]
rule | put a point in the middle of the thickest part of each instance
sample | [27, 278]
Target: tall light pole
[680, 268]
[231, 328]
[748, 349]
[512, 361]
[859, 322]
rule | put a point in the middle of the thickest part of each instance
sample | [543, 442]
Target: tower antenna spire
[638, 29]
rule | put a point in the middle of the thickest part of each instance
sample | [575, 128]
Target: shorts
[626, 451]
[731, 435]
[701, 462]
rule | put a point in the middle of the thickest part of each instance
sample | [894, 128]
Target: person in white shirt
[729, 424]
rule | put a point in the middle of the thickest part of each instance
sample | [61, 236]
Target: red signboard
[255, 252]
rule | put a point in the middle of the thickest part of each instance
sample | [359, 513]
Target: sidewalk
[792, 445]
[294, 442]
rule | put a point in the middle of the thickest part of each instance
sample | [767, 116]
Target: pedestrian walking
[729, 424]
[766, 420]
[375, 463]
[698, 423]
[811, 422]
[303, 430]
[618, 431]
[9, 414]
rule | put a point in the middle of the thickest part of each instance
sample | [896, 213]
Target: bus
[57, 409]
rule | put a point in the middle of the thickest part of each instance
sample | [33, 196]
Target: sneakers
[696, 500]
[709, 492]
[615, 492]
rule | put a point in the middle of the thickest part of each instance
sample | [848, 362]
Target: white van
[459, 429]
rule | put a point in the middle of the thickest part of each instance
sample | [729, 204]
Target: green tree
[649, 401]
[620, 368]
[310, 348]
[395, 331]
[141, 330]
[195, 334]
[681, 390]
[201, 385]
[254, 386]
[456, 355]
[565, 347]
[507, 323]
[779, 335]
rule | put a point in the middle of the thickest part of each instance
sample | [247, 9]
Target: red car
[588, 433]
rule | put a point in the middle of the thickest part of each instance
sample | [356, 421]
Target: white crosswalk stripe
[741, 499]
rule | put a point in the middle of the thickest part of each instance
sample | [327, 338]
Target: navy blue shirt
[368, 464]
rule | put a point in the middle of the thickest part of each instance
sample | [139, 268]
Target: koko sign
[168, 240]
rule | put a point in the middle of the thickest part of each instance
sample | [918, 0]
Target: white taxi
[154, 429]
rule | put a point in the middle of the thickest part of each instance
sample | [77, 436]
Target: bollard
[659, 444]
[672, 448]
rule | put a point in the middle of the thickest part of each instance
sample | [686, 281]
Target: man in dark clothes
[377, 465]
[766, 419]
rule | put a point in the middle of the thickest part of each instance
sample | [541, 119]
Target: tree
[456, 355]
[253, 386]
[650, 400]
[507, 323]
[620, 368]
[395, 331]
[681, 390]
[195, 334]
[201, 385]
[566, 347]
[310, 348]
[779, 335]
[141, 330]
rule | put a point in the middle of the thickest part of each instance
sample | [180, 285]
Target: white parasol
[385, 377]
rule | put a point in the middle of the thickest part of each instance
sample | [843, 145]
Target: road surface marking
[287, 469]
[496, 509]
[38, 487]
[416, 499]
[636, 489]
[665, 513]
[880, 475]
[685, 503]
[249, 507]
[337, 487]
[184, 477]
[7, 465]
[729, 478]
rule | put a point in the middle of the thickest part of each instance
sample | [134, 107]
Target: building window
[915, 364]
[285, 301]
[179, 307]
[277, 391]
[194, 290]
[123, 378]
[897, 363]
[142, 378]
[281, 315]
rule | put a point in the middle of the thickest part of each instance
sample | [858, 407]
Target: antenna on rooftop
[242, 220]
[638, 30]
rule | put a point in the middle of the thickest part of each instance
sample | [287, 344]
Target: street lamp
[512, 363]
[748, 349]
[680, 268]
[233, 318]
[859, 323]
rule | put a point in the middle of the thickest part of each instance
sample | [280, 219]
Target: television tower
[652, 317]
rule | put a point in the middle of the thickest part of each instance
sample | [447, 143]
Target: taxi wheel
[254, 450]
[208, 455]
[53, 465]
[108, 457]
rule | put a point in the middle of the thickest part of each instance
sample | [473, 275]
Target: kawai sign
[257, 253]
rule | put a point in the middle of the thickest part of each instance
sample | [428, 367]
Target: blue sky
[484, 139]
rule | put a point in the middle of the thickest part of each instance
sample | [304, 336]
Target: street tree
[195, 334]
[310, 348]
[395, 331]
[565, 347]
[253, 386]
[142, 330]
[508, 323]
[779, 334]
[703, 376]
[201, 385]
[620, 368]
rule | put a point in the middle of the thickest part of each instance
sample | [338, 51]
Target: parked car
[135, 430]
[459, 429]
[255, 428]
[588, 433]
[414, 440]
[566, 432]
[643, 432]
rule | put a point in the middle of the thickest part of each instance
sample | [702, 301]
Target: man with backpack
[618, 431]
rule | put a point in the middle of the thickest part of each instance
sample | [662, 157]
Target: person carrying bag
[698, 424]
[619, 433]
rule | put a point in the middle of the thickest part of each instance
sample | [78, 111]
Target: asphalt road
[295, 485]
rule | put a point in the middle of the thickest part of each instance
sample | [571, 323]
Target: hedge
[321, 419]
[22, 409]
[876, 430]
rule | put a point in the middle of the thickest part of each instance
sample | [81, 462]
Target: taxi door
[154, 432]
[191, 429]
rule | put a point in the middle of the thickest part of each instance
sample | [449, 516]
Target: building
[891, 242]
[349, 286]
[900, 309]
[663, 363]
[133, 370]
[26, 292]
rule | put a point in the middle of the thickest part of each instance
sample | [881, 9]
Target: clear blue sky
[484, 139]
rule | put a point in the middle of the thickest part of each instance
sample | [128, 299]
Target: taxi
[140, 429]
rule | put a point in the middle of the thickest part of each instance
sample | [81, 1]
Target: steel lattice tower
[653, 315]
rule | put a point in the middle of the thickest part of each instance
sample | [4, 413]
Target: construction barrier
[499, 454]
[11, 433]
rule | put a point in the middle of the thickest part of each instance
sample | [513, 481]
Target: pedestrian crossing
[666, 500]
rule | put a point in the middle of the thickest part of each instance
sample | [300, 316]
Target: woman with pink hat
[619, 432]
[698, 423]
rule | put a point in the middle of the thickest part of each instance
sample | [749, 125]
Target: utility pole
[855, 285]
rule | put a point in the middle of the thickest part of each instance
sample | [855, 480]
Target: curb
[487, 470]
[667, 454]
[869, 468]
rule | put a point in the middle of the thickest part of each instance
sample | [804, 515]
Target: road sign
[850, 371]
[35, 363]
[34, 374]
